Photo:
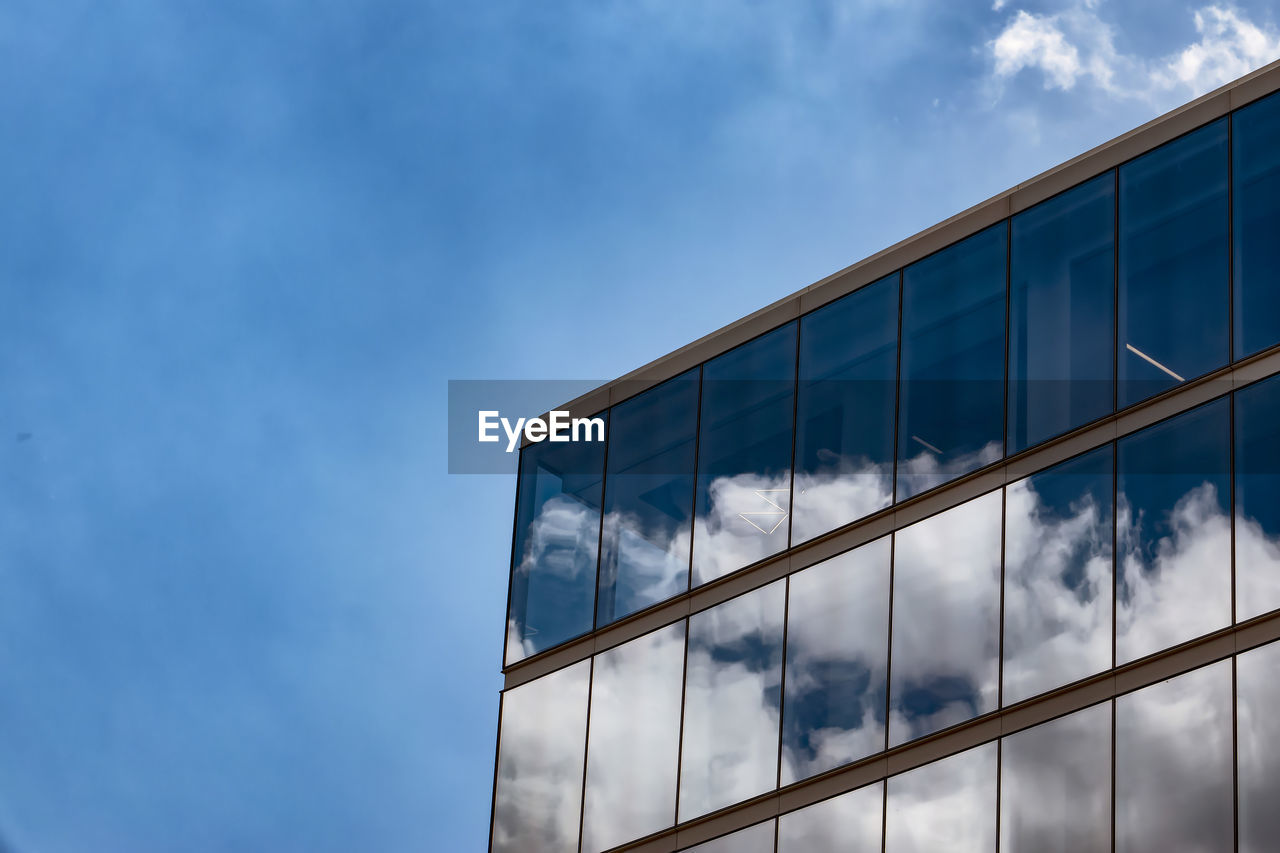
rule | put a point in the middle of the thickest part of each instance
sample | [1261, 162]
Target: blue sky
[245, 245]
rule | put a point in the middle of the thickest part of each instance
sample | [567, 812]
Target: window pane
[1258, 499]
[732, 691]
[1062, 313]
[947, 805]
[744, 455]
[753, 839]
[1174, 765]
[1173, 263]
[1258, 748]
[849, 823]
[946, 620]
[543, 735]
[634, 740]
[648, 498]
[1057, 576]
[844, 439]
[1173, 532]
[1055, 786]
[1255, 136]
[837, 657]
[951, 417]
[553, 580]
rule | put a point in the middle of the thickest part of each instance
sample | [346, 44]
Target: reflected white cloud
[1258, 747]
[946, 636]
[1174, 765]
[732, 686]
[634, 739]
[928, 468]
[652, 562]
[745, 520]
[541, 745]
[555, 577]
[837, 655]
[1178, 587]
[1257, 569]
[1058, 592]
[948, 805]
[829, 499]
[849, 823]
[1056, 786]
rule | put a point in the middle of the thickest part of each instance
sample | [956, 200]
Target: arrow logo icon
[769, 518]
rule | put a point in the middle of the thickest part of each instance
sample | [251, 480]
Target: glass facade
[1154, 536]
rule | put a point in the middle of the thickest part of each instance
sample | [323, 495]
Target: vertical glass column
[947, 805]
[1174, 765]
[1258, 747]
[1173, 531]
[946, 620]
[634, 740]
[951, 402]
[1257, 532]
[557, 537]
[845, 409]
[1255, 134]
[1062, 313]
[733, 684]
[1055, 785]
[538, 799]
[648, 498]
[837, 660]
[1173, 264]
[744, 455]
[849, 823]
[1058, 586]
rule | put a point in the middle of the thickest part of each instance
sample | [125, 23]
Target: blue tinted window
[648, 498]
[845, 408]
[553, 574]
[952, 395]
[1255, 143]
[1062, 313]
[1173, 531]
[1173, 264]
[1058, 586]
[1258, 499]
[744, 455]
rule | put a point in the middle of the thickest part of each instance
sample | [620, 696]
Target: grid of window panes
[1134, 547]
[1122, 287]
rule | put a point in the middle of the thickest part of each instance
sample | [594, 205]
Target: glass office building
[973, 546]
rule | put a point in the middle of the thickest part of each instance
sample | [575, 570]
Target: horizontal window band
[899, 516]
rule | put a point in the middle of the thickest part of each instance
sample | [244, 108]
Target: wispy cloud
[1076, 46]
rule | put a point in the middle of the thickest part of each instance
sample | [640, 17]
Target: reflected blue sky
[245, 245]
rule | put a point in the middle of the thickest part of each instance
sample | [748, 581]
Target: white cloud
[1076, 45]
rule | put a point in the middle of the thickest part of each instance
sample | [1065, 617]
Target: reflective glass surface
[553, 576]
[1173, 264]
[634, 741]
[753, 839]
[845, 409]
[1062, 313]
[947, 805]
[1258, 748]
[837, 653]
[1055, 786]
[1257, 499]
[732, 692]
[1057, 576]
[1174, 765]
[1173, 531]
[648, 498]
[744, 455]
[538, 799]
[946, 620]
[849, 823]
[1255, 224]
[950, 416]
